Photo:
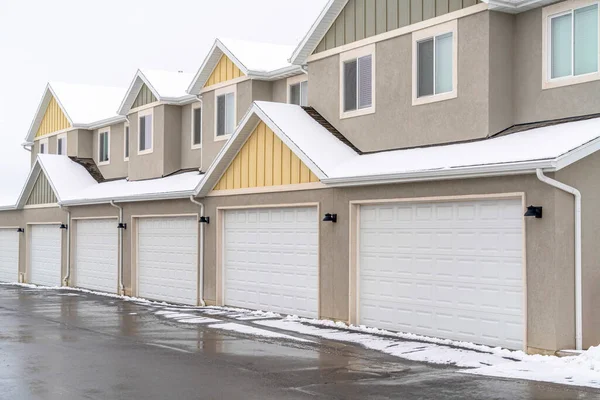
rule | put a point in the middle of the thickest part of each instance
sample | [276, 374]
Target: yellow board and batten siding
[54, 120]
[224, 71]
[265, 160]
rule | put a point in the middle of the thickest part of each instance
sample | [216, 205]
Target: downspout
[68, 276]
[578, 289]
[201, 266]
[121, 285]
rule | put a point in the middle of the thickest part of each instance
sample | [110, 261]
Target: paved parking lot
[71, 345]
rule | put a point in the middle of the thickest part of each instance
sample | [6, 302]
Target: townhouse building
[419, 166]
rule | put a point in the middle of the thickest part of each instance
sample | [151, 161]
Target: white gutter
[131, 199]
[68, 276]
[578, 291]
[201, 266]
[121, 278]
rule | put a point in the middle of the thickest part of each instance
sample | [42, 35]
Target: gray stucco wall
[531, 103]
[501, 71]
[118, 167]
[190, 158]
[262, 91]
[279, 91]
[147, 166]
[172, 139]
[397, 122]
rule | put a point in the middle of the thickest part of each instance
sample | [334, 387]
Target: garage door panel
[45, 255]
[96, 254]
[270, 260]
[168, 259]
[9, 255]
[444, 269]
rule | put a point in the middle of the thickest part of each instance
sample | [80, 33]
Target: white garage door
[271, 260]
[451, 270]
[9, 255]
[45, 255]
[96, 252]
[168, 259]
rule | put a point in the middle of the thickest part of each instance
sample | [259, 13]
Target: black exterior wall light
[64, 226]
[20, 230]
[534, 211]
[204, 220]
[122, 225]
[330, 218]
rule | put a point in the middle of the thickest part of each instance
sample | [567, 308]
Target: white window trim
[220, 92]
[45, 143]
[294, 80]
[418, 36]
[61, 136]
[357, 53]
[141, 114]
[125, 126]
[194, 108]
[548, 13]
[107, 131]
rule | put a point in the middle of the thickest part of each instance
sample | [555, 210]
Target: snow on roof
[548, 143]
[87, 104]
[257, 56]
[73, 185]
[168, 84]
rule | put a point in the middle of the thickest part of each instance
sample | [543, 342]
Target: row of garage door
[452, 270]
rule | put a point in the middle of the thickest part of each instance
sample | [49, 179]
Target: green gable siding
[42, 192]
[145, 96]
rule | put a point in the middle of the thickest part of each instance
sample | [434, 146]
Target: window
[298, 93]
[357, 82]
[225, 112]
[103, 147]
[126, 142]
[435, 63]
[61, 144]
[145, 129]
[44, 146]
[571, 37]
[196, 127]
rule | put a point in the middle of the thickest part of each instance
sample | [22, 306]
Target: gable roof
[336, 163]
[310, 141]
[167, 86]
[85, 106]
[317, 31]
[256, 60]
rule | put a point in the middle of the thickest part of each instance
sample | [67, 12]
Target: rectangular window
[61, 145]
[358, 85]
[103, 147]
[225, 114]
[145, 130]
[126, 142]
[574, 42]
[299, 94]
[434, 65]
[196, 127]
[43, 147]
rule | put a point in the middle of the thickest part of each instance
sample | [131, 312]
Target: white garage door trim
[136, 239]
[30, 228]
[10, 258]
[221, 211]
[92, 279]
[354, 268]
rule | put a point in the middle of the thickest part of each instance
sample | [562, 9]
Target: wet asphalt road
[67, 345]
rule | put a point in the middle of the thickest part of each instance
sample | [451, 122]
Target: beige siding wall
[147, 166]
[501, 62]
[117, 168]
[145, 96]
[364, 18]
[396, 122]
[190, 158]
[531, 103]
[42, 192]
[279, 91]
[172, 139]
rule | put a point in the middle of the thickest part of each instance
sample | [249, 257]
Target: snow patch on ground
[249, 330]
[198, 320]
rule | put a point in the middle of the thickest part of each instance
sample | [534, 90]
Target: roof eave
[131, 199]
[516, 8]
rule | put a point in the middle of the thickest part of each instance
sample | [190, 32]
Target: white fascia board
[101, 124]
[179, 101]
[317, 31]
[577, 154]
[445, 174]
[131, 199]
[517, 7]
[277, 74]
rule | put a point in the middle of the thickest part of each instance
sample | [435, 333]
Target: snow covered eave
[100, 124]
[445, 174]
[179, 101]
[517, 6]
[130, 199]
[281, 73]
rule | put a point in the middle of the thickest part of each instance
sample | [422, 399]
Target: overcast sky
[104, 42]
